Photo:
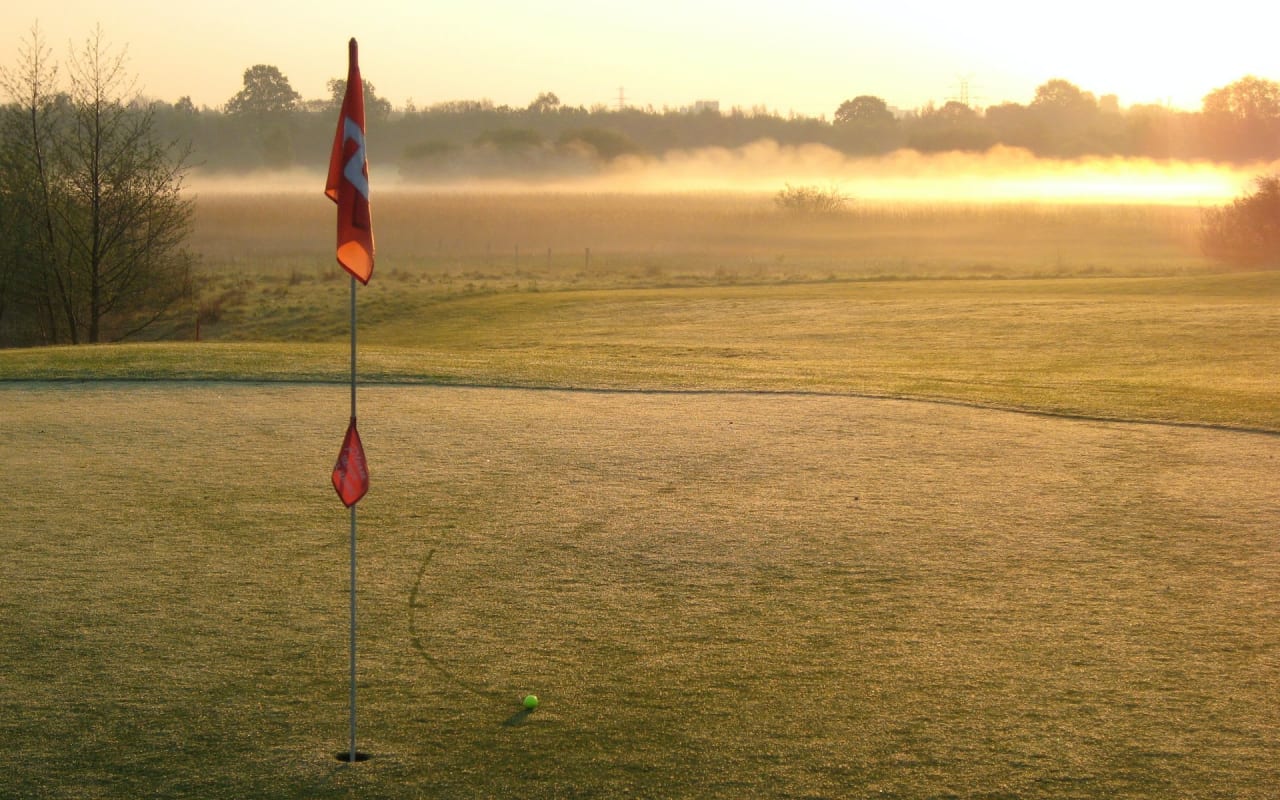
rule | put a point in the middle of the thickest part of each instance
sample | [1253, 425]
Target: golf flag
[351, 472]
[348, 183]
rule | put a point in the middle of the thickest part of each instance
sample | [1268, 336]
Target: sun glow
[1000, 175]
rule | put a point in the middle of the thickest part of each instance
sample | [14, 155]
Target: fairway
[713, 595]
[1194, 349]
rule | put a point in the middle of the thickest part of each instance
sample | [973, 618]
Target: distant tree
[428, 159]
[953, 111]
[1160, 132]
[954, 126]
[276, 146]
[1247, 232]
[1016, 125]
[605, 144]
[100, 210]
[1063, 97]
[375, 107]
[510, 140]
[461, 106]
[865, 124]
[544, 103]
[1249, 98]
[863, 110]
[263, 118]
[184, 105]
[432, 149]
[1242, 120]
[1069, 118]
[266, 92]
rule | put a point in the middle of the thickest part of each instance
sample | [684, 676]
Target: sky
[798, 56]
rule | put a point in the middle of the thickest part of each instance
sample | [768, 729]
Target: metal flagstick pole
[348, 186]
[352, 754]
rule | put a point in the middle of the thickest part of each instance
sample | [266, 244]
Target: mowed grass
[714, 595]
[1196, 349]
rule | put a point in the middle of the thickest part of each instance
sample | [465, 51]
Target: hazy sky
[787, 55]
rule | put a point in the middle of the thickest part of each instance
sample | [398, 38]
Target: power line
[965, 96]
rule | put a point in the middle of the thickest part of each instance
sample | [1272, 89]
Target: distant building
[706, 105]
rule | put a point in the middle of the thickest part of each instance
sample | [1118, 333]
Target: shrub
[1247, 232]
[811, 200]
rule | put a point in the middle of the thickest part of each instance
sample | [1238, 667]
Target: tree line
[268, 125]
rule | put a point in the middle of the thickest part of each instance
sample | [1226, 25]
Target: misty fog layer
[1001, 174]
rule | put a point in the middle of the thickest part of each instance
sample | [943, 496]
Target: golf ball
[530, 701]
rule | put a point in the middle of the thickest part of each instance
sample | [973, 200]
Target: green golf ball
[531, 701]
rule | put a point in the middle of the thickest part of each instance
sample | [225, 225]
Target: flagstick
[348, 186]
[353, 347]
[351, 756]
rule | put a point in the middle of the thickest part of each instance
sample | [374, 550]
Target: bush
[1247, 232]
[810, 200]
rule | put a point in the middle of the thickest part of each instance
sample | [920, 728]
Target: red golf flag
[351, 472]
[348, 183]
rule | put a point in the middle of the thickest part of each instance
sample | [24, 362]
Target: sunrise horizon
[800, 61]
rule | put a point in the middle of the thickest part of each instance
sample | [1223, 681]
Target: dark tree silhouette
[1247, 232]
[266, 91]
[375, 107]
[863, 110]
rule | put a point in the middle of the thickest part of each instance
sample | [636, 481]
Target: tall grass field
[910, 501]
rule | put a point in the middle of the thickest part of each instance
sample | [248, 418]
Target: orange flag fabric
[351, 472]
[348, 183]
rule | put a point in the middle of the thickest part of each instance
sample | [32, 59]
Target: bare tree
[104, 216]
[27, 133]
